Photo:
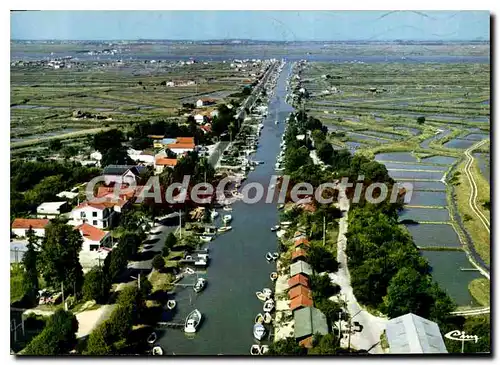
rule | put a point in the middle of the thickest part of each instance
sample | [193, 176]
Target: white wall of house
[199, 118]
[128, 178]
[90, 245]
[99, 218]
[145, 159]
[199, 103]
[180, 151]
[21, 232]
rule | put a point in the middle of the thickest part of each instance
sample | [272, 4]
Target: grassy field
[480, 291]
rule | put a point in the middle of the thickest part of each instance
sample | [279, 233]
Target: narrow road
[369, 337]
[473, 195]
[472, 312]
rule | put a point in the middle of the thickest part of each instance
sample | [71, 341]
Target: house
[301, 301]
[147, 158]
[308, 322]
[199, 118]
[162, 162]
[299, 254]
[300, 267]
[120, 174]
[182, 145]
[156, 140]
[298, 279]
[96, 156]
[51, 209]
[207, 128]
[299, 290]
[214, 113]
[204, 102]
[99, 215]
[21, 225]
[170, 84]
[412, 334]
[93, 238]
[301, 242]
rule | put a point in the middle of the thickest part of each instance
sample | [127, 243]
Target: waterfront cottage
[308, 322]
[299, 254]
[299, 290]
[20, 226]
[298, 279]
[412, 334]
[301, 301]
[302, 243]
[300, 267]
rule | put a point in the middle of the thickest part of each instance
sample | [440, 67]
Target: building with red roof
[301, 301]
[93, 238]
[299, 290]
[299, 254]
[298, 279]
[20, 226]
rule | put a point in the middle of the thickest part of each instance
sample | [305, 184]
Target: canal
[237, 267]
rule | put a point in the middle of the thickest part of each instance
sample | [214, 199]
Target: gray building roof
[309, 321]
[120, 169]
[411, 334]
[300, 267]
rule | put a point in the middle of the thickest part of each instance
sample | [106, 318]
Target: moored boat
[258, 331]
[157, 350]
[227, 218]
[255, 350]
[152, 337]
[227, 208]
[200, 285]
[275, 228]
[171, 304]
[269, 256]
[273, 276]
[214, 214]
[276, 255]
[264, 349]
[259, 318]
[261, 296]
[267, 292]
[192, 321]
[268, 318]
[224, 229]
[206, 238]
[268, 305]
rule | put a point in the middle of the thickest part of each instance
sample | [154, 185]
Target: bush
[158, 262]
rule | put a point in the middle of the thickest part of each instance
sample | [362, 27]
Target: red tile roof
[301, 241]
[27, 223]
[299, 290]
[300, 302]
[181, 145]
[299, 253]
[185, 140]
[90, 232]
[307, 342]
[166, 161]
[298, 279]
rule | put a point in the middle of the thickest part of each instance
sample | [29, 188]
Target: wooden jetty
[171, 324]
[468, 269]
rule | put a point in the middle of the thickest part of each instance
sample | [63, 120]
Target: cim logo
[458, 335]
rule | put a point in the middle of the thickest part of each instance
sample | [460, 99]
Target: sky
[256, 25]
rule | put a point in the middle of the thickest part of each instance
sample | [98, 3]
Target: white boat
[189, 271]
[268, 305]
[273, 276]
[276, 255]
[227, 208]
[224, 229]
[192, 321]
[261, 296]
[157, 350]
[286, 224]
[258, 331]
[267, 318]
[259, 318]
[267, 292]
[275, 228]
[281, 206]
[214, 214]
[264, 349]
[171, 304]
[206, 238]
[269, 256]
[255, 350]
[200, 285]
[276, 121]
[152, 337]
[227, 218]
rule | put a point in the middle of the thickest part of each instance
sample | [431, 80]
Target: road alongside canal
[238, 267]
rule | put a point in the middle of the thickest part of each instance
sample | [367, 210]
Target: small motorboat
[157, 350]
[192, 321]
[261, 296]
[276, 122]
[206, 238]
[275, 228]
[281, 206]
[152, 337]
[227, 218]
[269, 256]
[224, 229]
[189, 271]
[227, 208]
[273, 276]
[200, 285]
[259, 318]
[171, 304]
[268, 305]
[268, 318]
[214, 214]
[267, 292]
[255, 350]
[264, 349]
[276, 255]
[258, 331]
[286, 224]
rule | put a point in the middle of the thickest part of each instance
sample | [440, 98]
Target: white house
[162, 161]
[93, 238]
[204, 102]
[51, 209]
[170, 84]
[21, 225]
[146, 158]
[96, 155]
[182, 145]
[199, 118]
[120, 174]
[99, 215]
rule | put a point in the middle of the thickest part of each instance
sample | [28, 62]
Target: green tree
[421, 120]
[96, 285]
[324, 345]
[55, 145]
[59, 257]
[158, 262]
[322, 287]
[321, 259]
[287, 346]
[104, 141]
[97, 344]
[30, 274]
[170, 241]
[57, 338]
